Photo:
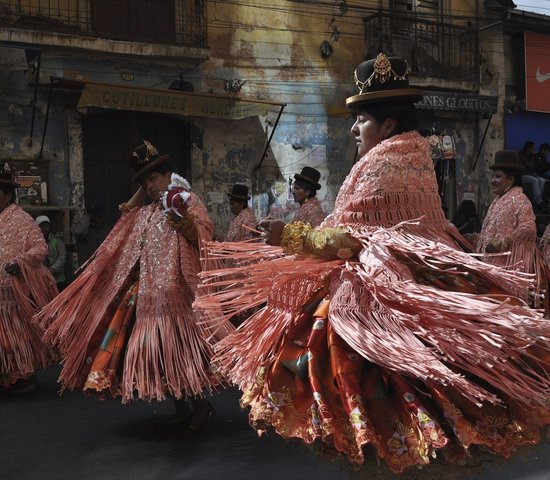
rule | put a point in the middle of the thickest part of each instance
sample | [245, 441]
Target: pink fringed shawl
[510, 221]
[22, 351]
[390, 202]
[310, 212]
[168, 351]
[238, 230]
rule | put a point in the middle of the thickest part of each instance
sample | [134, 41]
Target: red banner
[537, 72]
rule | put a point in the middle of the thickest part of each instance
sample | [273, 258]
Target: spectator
[466, 218]
[531, 179]
[57, 255]
[543, 167]
[89, 232]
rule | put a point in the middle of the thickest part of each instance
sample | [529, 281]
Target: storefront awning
[95, 95]
[121, 97]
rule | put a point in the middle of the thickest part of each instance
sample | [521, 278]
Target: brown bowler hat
[145, 158]
[383, 79]
[309, 175]
[507, 160]
[6, 176]
[239, 192]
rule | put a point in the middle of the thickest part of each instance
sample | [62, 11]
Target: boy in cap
[57, 255]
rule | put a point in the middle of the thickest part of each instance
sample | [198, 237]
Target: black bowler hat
[309, 175]
[507, 160]
[7, 176]
[239, 192]
[145, 158]
[383, 79]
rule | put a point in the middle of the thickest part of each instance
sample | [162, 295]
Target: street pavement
[44, 436]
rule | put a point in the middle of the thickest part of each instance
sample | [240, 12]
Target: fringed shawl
[22, 295]
[390, 202]
[168, 350]
[310, 212]
[510, 221]
[242, 226]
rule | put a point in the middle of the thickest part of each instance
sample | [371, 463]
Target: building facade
[240, 93]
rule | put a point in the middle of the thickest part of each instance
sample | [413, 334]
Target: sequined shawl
[22, 352]
[390, 203]
[310, 212]
[21, 241]
[142, 245]
[510, 221]
[394, 182]
[237, 230]
[545, 245]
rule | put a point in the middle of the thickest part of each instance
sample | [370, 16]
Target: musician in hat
[125, 327]
[379, 333]
[25, 286]
[243, 223]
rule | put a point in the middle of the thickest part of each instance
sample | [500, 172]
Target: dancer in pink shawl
[25, 286]
[243, 224]
[509, 226]
[125, 327]
[304, 191]
[378, 332]
[545, 246]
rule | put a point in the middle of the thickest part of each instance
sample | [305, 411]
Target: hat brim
[299, 176]
[507, 166]
[9, 182]
[411, 94]
[238, 197]
[150, 166]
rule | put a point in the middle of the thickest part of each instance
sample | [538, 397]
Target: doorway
[108, 139]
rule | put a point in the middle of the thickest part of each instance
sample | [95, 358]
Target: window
[146, 20]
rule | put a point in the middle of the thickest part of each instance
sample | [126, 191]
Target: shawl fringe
[417, 330]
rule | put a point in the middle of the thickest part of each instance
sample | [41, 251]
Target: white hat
[41, 219]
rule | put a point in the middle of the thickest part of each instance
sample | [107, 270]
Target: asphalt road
[45, 436]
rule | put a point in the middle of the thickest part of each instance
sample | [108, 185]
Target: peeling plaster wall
[76, 157]
[493, 82]
[275, 48]
[15, 122]
[224, 153]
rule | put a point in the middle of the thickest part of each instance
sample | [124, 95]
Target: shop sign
[458, 102]
[537, 72]
[161, 101]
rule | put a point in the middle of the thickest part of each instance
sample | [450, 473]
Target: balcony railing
[432, 48]
[175, 22]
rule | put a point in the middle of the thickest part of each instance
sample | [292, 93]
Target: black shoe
[203, 413]
[24, 385]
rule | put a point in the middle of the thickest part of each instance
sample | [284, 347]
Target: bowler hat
[309, 175]
[7, 176]
[507, 160]
[383, 79]
[239, 191]
[145, 158]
